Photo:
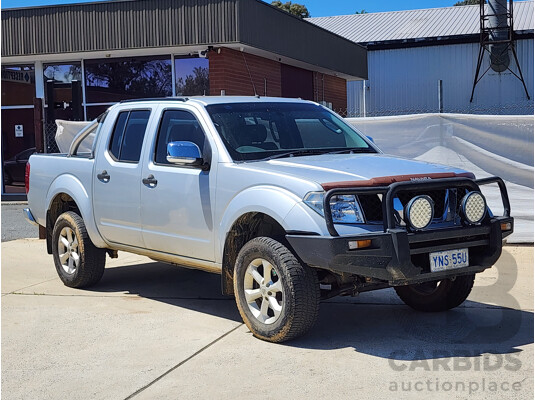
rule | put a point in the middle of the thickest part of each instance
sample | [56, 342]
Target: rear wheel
[277, 296]
[437, 295]
[78, 261]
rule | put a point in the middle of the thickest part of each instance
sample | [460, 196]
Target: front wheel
[437, 295]
[277, 296]
[78, 261]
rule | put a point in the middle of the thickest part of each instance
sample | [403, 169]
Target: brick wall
[331, 89]
[228, 71]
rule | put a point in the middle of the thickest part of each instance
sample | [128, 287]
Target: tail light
[27, 177]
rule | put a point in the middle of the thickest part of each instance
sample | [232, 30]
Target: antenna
[250, 76]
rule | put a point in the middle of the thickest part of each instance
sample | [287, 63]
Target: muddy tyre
[78, 262]
[277, 296]
[438, 295]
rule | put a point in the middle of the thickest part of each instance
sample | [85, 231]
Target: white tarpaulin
[66, 132]
[483, 144]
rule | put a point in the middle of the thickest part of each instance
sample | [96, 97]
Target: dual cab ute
[285, 200]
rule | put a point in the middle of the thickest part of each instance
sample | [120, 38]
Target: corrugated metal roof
[141, 24]
[418, 24]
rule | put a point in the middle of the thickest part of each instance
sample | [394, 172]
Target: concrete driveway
[153, 331]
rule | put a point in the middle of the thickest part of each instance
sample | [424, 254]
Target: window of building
[63, 73]
[18, 85]
[191, 76]
[18, 136]
[110, 81]
[63, 91]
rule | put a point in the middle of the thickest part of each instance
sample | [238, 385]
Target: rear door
[177, 209]
[117, 178]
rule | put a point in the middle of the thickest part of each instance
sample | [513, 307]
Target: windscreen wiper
[353, 150]
[309, 152]
[294, 153]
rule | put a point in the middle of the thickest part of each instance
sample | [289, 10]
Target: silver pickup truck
[289, 203]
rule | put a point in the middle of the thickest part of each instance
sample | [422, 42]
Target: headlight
[473, 207]
[419, 212]
[345, 209]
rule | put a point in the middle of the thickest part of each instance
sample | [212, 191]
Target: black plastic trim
[393, 255]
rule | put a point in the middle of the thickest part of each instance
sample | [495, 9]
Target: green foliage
[298, 10]
[196, 84]
[467, 3]
[146, 78]
[361, 12]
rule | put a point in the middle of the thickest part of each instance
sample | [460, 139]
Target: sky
[317, 8]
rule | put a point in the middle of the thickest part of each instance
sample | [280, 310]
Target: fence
[485, 145]
[49, 132]
[513, 109]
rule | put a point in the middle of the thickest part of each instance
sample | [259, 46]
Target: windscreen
[258, 131]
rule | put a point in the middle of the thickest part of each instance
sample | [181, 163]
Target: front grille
[373, 210]
[371, 207]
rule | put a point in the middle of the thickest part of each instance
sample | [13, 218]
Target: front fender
[278, 203]
[72, 186]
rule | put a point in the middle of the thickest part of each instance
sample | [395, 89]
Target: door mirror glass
[184, 153]
[371, 139]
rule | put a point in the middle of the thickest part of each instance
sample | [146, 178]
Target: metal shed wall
[405, 81]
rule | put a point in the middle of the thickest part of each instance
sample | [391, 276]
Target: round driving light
[419, 212]
[473, 207]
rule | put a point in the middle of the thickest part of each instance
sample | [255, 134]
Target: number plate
[450, 259]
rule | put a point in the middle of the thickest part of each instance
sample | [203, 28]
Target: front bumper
[398, 256]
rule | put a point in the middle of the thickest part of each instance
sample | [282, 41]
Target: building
[409, 52]
[82, 58]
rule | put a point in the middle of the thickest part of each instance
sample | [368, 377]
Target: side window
[177, 126]
[128, 134]
[117, 135]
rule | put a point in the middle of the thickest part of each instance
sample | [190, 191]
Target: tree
[194, 85]
[467, 3]
[135, 77]
[298, 10]
[361, 12]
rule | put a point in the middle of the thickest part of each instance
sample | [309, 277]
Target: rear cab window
[127, 136]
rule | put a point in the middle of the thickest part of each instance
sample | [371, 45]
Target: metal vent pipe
[499, 32]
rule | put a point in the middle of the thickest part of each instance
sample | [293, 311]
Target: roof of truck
[208, 100]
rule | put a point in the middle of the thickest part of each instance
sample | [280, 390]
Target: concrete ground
[14, 225]
[154, 331]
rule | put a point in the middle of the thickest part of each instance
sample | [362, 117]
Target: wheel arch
[67, 193]
[248, 226]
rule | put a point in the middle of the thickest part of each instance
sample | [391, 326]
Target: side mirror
[371, 139]
[184, 153]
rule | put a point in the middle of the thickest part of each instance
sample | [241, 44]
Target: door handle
[150, 181]
[104, 176]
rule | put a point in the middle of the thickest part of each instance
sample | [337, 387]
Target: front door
[176, 209]
[117, 179]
